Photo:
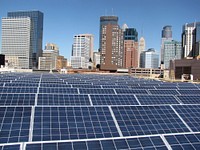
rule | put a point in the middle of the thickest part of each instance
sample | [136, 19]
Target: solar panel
[142, 87]
[18, 84]
[86, 86]
[62, 123]
[156, 99]
[189, 92]
[18, 90]
[154, 142]
[130, 91]
[96, 91]
[17, 99]
[113, 100]
[55, 85]
[172, 92]
[166, 87]
[10, 147]
[191, 115]
[14, 124]
[187, 87]
[184, 141]
[148, 120]
[114, 86]
[59, 90]
[189, 99]
[62, 99]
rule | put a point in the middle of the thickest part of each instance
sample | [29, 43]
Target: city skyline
[69, 18]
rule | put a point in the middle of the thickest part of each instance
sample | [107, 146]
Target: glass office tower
[36, 32]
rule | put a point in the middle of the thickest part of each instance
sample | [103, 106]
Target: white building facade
[82, 50]
[16, 42]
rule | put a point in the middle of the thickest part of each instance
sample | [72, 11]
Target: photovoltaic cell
[17, 99]
[156, 99]
[62, 123]
[191, 115]
[148, 120]
[62, 99]
[189, 99]
[113, 100]
[14, 124]
[184, 141]
[150, 143]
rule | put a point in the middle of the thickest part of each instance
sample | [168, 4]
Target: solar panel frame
[189, 99]
[184, 141]
[64, 123]
[96, 91]
[189, 92]
[148, 120]
[112, 99]
[58, 90]
[17, 99]
[169, 92]
[157, 99]
[14, 124]
[62, 100]
[130, 91]
[190, 114]
[154, 142]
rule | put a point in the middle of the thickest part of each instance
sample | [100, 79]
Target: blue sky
[65, 18]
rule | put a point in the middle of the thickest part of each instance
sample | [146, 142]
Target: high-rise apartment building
[166, 37]
[130, 48]
[16, 42]
[82, 50]
[111, 43]
[36, 35]
[149, 59]
[172, 51]
[191, 40]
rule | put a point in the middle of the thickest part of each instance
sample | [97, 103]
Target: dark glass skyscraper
[166, 37]
[36, 32]
[167, 32]
[131, 34]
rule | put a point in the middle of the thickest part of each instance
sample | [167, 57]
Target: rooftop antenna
[112, 12]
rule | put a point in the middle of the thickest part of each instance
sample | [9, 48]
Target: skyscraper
[149, 59]
[16, 42]
[130, 48]
[172, 51]
[166, 36]
[191, 40]
[36, 36]
[111, 43]
[82, 50]
[142, 48]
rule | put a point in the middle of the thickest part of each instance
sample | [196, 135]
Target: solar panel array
[55, 111]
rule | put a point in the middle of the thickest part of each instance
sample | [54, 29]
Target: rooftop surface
[79, 111]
